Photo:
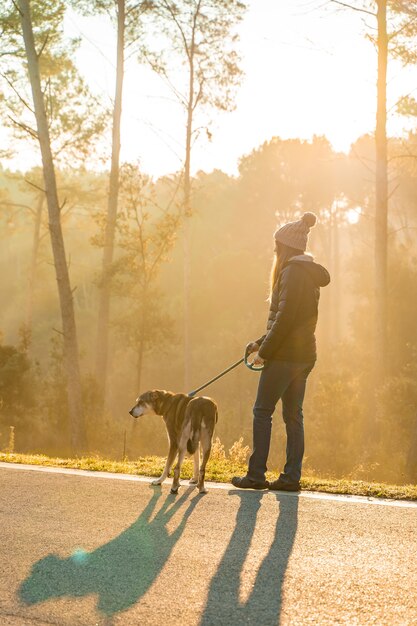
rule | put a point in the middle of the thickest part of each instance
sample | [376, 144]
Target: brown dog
[189, 421]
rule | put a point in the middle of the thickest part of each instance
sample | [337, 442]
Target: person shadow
[263, 606]
[119, 572]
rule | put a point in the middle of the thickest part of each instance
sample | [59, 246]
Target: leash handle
[192, 393]
[254, 368]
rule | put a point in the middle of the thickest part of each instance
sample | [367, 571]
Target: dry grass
[219, 469]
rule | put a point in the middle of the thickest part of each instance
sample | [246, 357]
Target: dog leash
[244, 359]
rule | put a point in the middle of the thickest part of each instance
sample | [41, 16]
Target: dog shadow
[263, 605]
[119, 572]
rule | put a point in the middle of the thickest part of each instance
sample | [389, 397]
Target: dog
[189, 422]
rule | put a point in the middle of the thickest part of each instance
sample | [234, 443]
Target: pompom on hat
[295, 234]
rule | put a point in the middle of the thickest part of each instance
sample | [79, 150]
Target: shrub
[238, 453]
[217, 450]
[336, 425]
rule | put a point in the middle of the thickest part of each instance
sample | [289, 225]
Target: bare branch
[402, 156]
[24, 126]
[349, 6]
[362, 160]
[163, 74]
[77, 130]
[184, 39]
[393, 191]
[401, 98]
[43, 46]
[13, 53]
[142, 5]
[16, 7]
[403, 27]
[22, 100]
[398, 230]
[18, 205]
[199, 95]
[29, 182]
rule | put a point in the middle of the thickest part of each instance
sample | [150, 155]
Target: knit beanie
[295, 234]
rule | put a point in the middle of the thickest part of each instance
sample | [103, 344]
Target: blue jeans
[287, 381]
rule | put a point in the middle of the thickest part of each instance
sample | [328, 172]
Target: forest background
[187, 266]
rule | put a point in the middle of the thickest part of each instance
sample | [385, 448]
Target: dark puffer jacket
[293, 312]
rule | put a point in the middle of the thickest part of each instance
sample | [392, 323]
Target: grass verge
[218, 470]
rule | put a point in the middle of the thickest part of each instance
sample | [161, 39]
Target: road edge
[315, 495]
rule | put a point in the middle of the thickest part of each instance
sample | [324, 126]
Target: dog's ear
[154, 395]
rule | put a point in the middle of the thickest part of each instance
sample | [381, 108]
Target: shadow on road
[119, 572]
[263, 606]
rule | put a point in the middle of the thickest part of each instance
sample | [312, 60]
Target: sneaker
[243, 482]
[280, 485]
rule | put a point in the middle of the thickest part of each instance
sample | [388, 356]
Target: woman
[288, 352]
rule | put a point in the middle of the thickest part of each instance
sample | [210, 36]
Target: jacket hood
[318, 273]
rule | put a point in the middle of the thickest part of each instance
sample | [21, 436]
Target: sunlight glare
[353, 215]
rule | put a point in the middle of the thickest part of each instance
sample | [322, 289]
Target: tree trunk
[102, 353]
[75, 407]
[187, 213]
[381, 199]
[187, 291]
[33, 264]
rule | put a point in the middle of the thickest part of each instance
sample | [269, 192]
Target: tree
[395, 31]
[25, 209]
[104, 300]
[201, 38]
[32, 32]
[75, 118]
[128, 17]
[381, 197]
[17, 397]
[147, 233]
[78, 434]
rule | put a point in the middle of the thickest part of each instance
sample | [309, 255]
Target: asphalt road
[86, 550]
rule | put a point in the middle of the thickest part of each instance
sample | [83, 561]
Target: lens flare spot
[80, 556]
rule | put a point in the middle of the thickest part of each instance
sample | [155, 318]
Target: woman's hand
[258, 360]
[252, 347]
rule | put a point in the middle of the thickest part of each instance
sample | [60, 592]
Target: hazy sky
[308, 70]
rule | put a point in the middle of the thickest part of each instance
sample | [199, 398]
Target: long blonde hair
[282, 255]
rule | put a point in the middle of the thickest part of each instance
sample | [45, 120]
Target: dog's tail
[194, 438]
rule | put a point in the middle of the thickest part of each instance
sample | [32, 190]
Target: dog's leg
[202, 473]
[194, 479]
[177, 470]
[206, 438]
[171, 457]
